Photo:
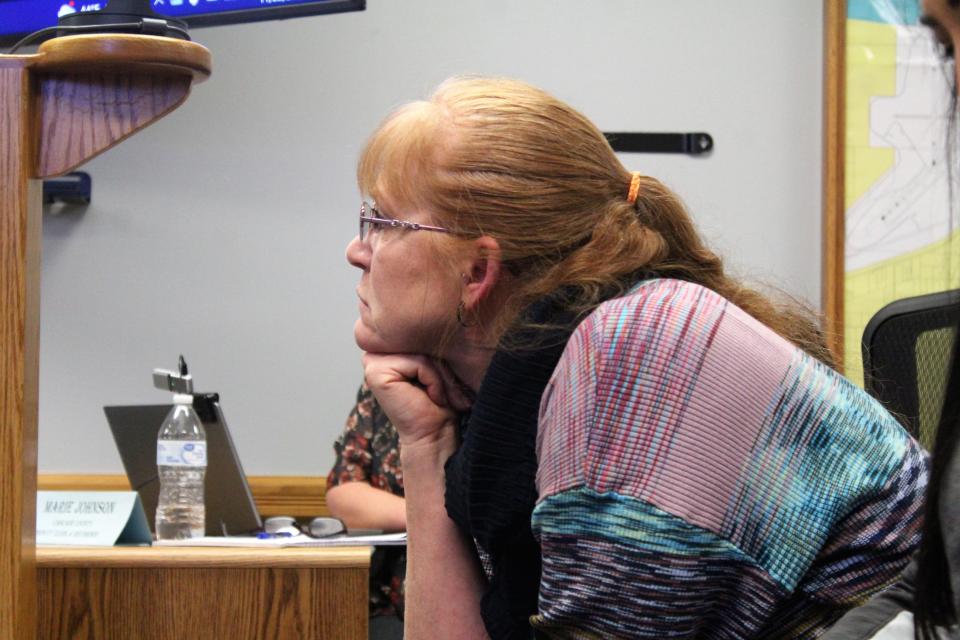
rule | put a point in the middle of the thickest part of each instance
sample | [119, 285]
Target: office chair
[906, 358]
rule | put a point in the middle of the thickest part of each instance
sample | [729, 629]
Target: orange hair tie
[634, 188]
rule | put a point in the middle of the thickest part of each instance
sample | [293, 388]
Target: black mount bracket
[693, 144]
[72, 188]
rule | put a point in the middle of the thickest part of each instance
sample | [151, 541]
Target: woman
[937, 604]
[653, 450]
[925, 602]
[365, 490]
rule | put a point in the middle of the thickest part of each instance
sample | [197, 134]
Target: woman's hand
[419, 395]
[444, 581]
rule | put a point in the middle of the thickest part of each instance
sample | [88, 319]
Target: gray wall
[219, 232]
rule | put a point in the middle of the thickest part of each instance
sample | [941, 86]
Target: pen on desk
[263, 535]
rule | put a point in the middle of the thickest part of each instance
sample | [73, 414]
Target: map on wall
[901, 239]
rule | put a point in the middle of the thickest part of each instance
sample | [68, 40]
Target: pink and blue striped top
[700, 476]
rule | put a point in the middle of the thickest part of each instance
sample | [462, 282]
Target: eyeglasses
[286, 527]
[371, 224]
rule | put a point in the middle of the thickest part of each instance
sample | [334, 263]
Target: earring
[460, 308]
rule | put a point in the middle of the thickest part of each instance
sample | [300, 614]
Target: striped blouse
[700, 476]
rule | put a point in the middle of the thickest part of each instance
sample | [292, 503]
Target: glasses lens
[281, 525]
[323, 527]
[368, 229]
[364, 209]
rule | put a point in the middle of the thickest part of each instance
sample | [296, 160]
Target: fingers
[385, 371]
[458, 396]
[434, 377]
[410, 390]
[393, 374]
[429, 376]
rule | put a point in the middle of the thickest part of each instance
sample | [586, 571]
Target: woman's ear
[482, 272]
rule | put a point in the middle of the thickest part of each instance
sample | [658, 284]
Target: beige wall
[219, 232]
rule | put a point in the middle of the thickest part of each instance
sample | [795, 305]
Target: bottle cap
[182, 398]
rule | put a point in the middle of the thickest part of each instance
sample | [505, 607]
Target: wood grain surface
[832, 261]
[297, 496]
[124, 53]
[19, 334]
[188, 557]
[59, 107]
[84, 114]
[167, 594]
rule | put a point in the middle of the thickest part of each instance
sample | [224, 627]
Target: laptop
[230, 509]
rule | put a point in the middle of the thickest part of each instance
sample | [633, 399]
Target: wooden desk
[203, 593]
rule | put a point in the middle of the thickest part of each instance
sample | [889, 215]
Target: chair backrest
[906, 358]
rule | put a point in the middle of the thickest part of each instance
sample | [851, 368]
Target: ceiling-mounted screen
[21, 17]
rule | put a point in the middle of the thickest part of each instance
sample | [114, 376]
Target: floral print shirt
[368, 451]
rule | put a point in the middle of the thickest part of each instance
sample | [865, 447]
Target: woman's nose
[358, 254]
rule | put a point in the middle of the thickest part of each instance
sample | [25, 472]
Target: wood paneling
[834, 77]
[297, 496]
[89, 92]
[198, 557]
[169, 594]
[122, 53]
[19, 329]
[69, 99]
[96, 91]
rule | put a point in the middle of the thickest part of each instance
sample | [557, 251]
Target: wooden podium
[173, 593]
[75, 98]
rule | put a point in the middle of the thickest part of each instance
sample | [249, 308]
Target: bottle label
[181, 453]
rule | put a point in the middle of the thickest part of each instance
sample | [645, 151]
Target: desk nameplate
[91, 518]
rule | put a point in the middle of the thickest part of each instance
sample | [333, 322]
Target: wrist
[431, 448]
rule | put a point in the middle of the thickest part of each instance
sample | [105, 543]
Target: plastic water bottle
[181, 464]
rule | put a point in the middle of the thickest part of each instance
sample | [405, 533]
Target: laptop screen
[230, 509]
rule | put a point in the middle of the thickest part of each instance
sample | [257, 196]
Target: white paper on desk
[381, 540]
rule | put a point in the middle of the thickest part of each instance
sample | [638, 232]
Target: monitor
[21, 17]
[230, 508]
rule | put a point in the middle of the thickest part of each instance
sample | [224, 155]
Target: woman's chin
[361, 335]
[368, 340]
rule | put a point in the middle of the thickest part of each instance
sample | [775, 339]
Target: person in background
[925, 602]
[653, 449]
[365, 490]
